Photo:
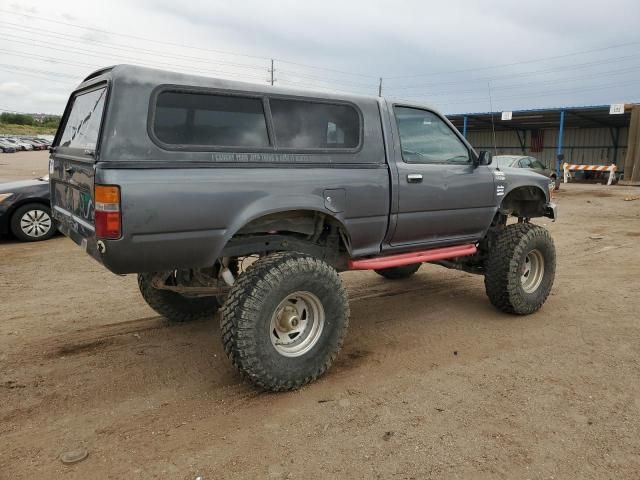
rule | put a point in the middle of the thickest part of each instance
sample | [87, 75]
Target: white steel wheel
[284, 320]
[296, 324]
[532, 271]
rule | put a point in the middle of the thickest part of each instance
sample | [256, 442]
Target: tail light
[107, 212]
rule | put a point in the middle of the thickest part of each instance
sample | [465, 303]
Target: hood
[14, 187]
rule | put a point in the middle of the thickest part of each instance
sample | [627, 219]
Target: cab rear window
[83, 123]
[199, 119]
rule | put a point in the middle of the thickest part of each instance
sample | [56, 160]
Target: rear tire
[397, 273]
[173, 306]
[284, 320]
[520, 269]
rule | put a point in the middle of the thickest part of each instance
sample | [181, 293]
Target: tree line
[27, 119]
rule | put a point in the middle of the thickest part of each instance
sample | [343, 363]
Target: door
[442, 198]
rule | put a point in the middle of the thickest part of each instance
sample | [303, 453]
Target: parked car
[7, 147]
[25, 210]
[531, 163]
[34, 145]
[20, 145]
[203, 173]
[45, 144]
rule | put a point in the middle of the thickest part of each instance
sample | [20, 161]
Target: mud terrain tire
[276, 357]
[173, 306]
[512, 283]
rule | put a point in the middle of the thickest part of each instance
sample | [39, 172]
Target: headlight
[4, 196]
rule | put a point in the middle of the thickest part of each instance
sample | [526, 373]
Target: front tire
[32, 223]
[173, 306]
[520, 269]
[284, 321]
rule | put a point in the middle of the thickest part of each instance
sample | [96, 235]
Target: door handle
[414, 178]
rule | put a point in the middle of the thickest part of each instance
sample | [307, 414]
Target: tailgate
[72, 164]
[72, 195]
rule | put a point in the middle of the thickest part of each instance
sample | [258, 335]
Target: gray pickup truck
[250, 198]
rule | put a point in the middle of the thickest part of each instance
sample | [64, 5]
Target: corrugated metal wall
[591, 146]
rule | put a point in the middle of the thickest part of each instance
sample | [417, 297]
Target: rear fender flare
[282, 204]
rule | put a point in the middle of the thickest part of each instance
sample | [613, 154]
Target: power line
[321, 84]
[223, 52]
[144, 62]
[523, 62]
[329, 79]
[356, 74]
[48, 78]
[537, 95]
[111, 46]
[535, 82]
[33, 70]
[49, 59]
[331, 89]
[521, 74]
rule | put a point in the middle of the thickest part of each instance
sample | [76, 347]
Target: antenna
[380, 87]
[493, 126]
[271, 71]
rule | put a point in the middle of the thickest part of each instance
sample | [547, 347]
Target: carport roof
[581, 117]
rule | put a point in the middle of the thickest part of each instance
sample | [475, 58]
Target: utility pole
[271, 71]
[380, 88]
[493, 126]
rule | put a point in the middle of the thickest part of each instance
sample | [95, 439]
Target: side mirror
[484, 158]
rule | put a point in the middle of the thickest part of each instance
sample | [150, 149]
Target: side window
[525, 162]
[202, 119]
[425, 138]
[535, 163]
[312, 125]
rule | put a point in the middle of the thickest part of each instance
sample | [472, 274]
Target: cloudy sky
[450, 54]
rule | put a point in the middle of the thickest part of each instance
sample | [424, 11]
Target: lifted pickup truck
[185, 180]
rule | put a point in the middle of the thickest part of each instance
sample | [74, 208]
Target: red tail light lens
[108, 219]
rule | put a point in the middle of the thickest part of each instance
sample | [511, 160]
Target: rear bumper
[551, 211]
[154, 252]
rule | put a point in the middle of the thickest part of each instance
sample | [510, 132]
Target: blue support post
[559, 154]
[464, 127]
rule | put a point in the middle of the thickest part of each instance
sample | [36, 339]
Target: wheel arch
[24, 201]
[309, 224]
[524, 201]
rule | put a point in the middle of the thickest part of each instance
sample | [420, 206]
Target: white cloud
[14, 88]
[372, 38]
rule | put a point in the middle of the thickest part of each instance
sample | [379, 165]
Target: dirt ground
[432, 381]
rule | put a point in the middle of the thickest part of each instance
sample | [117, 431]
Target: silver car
[19, 144]
[530, 163]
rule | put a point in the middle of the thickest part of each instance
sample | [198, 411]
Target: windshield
[83, 124]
